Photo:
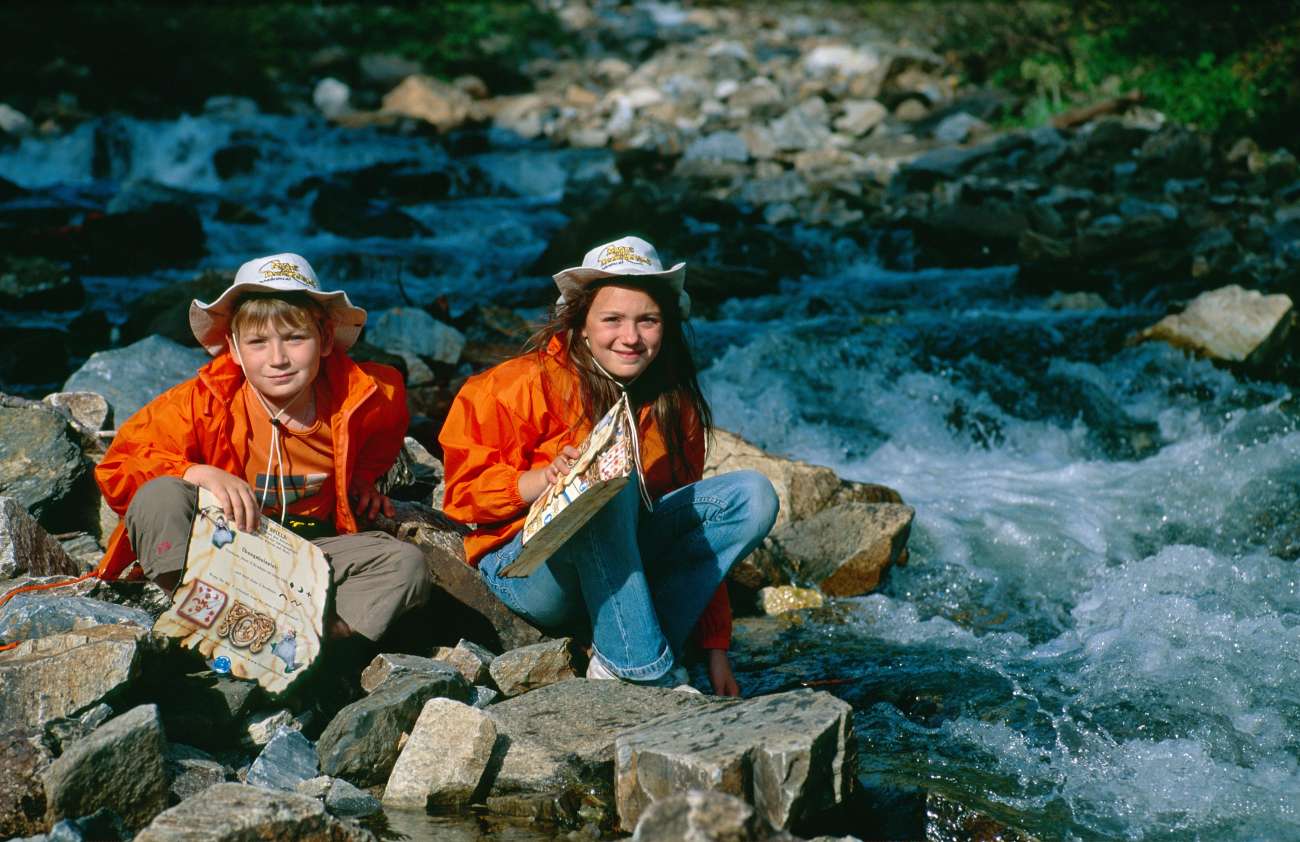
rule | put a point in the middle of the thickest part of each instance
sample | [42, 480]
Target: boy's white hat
[622, 257]
[275, 273]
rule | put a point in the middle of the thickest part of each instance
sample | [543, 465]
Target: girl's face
[624, 330]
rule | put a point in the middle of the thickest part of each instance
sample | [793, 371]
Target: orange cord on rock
[42, 586]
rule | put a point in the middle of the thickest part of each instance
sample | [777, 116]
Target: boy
[283, 424]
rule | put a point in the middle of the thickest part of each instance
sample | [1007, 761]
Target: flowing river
[1098, 633]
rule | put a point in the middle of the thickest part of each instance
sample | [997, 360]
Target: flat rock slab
[286, 761]
[233, 812]
[120, 766]
[54, 677]
[846, 548]
[361, 743]
[443, 762]
[1230, 324]
[563, 735]
[530, 667]
[26, 548]
[41, 614]
[791, 755]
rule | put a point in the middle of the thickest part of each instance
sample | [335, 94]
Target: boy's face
[281, 360]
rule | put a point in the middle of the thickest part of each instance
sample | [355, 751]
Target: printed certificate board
[257, 599]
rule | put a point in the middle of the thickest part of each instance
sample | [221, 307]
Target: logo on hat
[285, 269]
[612, 254]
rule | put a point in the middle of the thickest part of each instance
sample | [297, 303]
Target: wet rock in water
[344, 799]
[191, 771]
[23, 761]
[415, 331]
[1230, 324]
[120, 766]
[949, 819]
[361, 743]
[165, 312]
[846, 549]
[790, 755]
[42, 466]
[443, 762]
[58, 676]
[699, 814]
[36, 283]
[233, 812]
[469, 659]
[89, 410]
[332, 97]
[130, 377]
[288, 760]
[26, 548]
[424, 98]
[467, 606]
[163, 234]
[783, 598]
[560, 739]
[42, 614]
[236, 159]
[347, 213]
[527, 668]
[35, 355]
[386, 666]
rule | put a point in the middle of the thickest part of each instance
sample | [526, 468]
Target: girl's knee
[756, 496]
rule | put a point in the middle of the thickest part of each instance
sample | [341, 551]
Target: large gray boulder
[24, 758]
[362, 742]
[814, 500]
[791, 755]
[560, 739]
[54, 677]
[120, 766]
[414, 331]
[443, 762]
[42, 466]
[1230, 324]
[26, 548]
[41, 614]
[130, 377]
[529, 667]
[233, 812]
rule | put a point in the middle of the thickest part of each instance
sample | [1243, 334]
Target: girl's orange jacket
[516, 417]
[203, 421]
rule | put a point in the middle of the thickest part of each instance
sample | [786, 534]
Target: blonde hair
[284, 310]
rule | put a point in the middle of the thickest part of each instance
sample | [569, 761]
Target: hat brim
[572, 281]
[211, 322]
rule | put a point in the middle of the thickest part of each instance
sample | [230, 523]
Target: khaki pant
[377, 578]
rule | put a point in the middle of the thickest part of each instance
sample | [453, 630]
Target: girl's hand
[720, 674]
[232, 492]
[533, 483]
[368, 502]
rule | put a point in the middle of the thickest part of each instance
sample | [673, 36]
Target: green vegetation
[1226, 67]
[156, 58]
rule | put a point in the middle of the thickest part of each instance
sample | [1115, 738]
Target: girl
[641, 578]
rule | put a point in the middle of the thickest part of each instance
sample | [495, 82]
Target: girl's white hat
[623, 257]
[276, 273]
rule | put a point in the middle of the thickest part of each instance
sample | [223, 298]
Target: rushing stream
[1098, 633]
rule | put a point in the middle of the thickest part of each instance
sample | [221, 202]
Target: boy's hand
[720, 674]
[233, 493]
[367, 502]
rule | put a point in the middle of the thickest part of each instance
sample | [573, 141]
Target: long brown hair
[669, 385]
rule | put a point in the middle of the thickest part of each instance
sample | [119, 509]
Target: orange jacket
[203, 421]
[516, 417]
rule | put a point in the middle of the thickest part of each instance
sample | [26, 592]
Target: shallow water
[1098, 634]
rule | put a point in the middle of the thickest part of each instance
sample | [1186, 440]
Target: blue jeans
[641, 579]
